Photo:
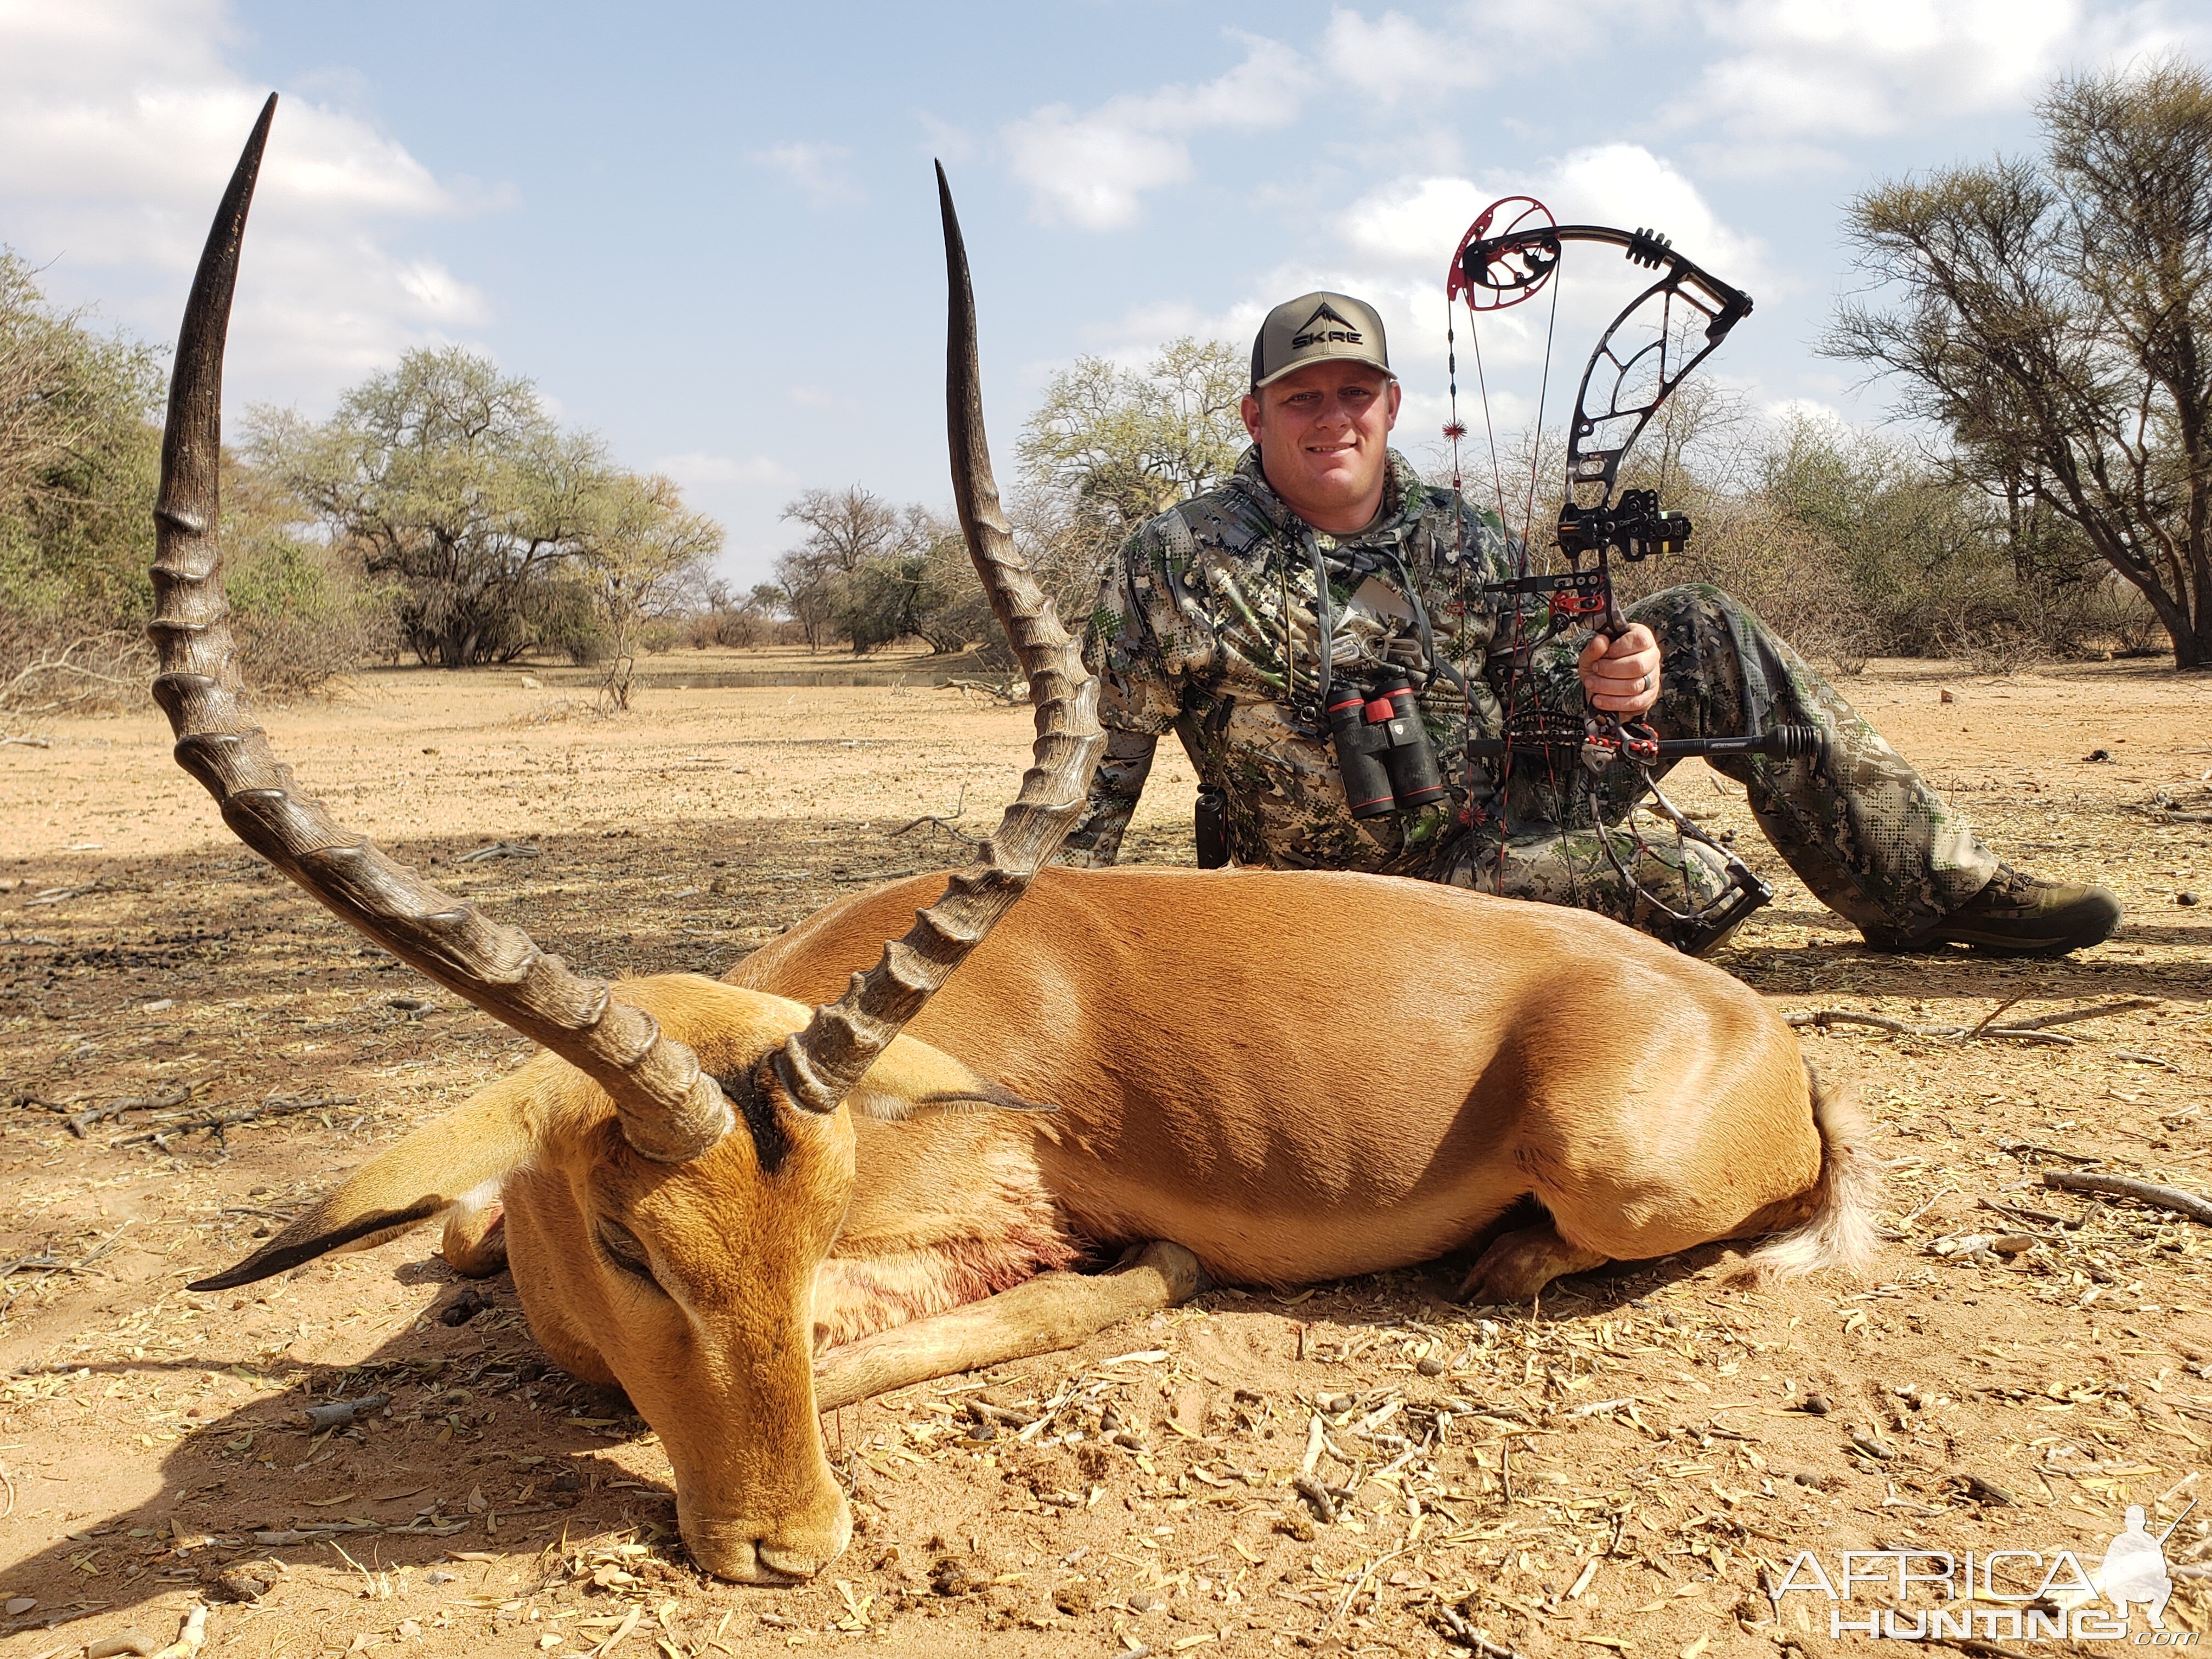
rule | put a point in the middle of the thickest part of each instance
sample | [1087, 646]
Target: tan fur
[1296, 1077]
[1837, 1228]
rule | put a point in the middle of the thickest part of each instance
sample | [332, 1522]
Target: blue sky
[709, 231]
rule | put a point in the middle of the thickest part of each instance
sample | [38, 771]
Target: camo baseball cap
[1317, 328]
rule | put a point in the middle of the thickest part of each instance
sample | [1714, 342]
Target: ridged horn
[822, 1063]
[670, 1109]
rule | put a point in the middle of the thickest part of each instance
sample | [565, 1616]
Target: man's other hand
[1621, 675]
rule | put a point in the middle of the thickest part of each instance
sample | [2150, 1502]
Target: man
[1206, 625]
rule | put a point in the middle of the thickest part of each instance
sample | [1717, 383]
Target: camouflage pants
[1859, 826]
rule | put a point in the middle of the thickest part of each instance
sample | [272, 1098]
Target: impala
[746, 1201]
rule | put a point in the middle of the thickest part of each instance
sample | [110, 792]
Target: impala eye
[618, 1242]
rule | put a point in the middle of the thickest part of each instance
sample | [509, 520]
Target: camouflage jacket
[1205, 626]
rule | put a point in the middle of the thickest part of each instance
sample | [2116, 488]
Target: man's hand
[1621, 675]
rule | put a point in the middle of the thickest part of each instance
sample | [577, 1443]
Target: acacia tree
[1128, 444]
[450, 478]
[2054, 314]
[832, 579]
[644, 561]
[78, 453]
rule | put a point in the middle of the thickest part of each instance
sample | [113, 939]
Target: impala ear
[910, 1077]
[424, 1175]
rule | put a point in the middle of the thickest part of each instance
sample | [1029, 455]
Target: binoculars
[1382, 749]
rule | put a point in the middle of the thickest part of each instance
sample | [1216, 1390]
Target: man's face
[1323, 435]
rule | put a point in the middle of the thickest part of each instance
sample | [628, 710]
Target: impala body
[745, 1202]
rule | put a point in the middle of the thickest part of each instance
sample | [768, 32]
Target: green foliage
[855, 574]
[450, 479]
[888, 599]
[492, 530]
[79, 459]
[1126, 444]
[2053, 316]
[643, 558]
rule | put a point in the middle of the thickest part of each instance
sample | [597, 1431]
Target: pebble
[2013, 1245]
[1817, 1403]
[1140, 1603]
[1431, 1367]
[1343, 1402]
[1672, 1322]
[240, 1584]
[952, 1577]
[18, 1605]
[2184, 898]
[124, 1641]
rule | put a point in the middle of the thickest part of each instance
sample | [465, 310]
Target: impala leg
[1051, 1311]
[476, 1233]
[1519, 1264]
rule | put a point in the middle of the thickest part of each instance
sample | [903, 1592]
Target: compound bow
[1493, 272]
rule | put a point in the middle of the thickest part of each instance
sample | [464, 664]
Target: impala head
[687, 1146]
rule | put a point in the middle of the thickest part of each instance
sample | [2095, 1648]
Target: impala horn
[670, 1109]
[819, 1064]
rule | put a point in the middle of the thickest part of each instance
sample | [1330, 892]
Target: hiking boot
[2021, 915]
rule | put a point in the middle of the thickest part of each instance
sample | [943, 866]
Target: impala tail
[1839, 1231]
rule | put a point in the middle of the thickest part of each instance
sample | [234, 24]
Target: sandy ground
[1628, 1470]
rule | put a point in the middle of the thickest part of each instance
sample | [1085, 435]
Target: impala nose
[746, 1552]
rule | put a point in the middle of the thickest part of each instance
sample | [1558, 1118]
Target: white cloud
[1092, 169]
[1395, 56]
[119, 122]
[1407, 229]
[818, 170]
[1860, 69]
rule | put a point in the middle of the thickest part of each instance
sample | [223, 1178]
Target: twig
[2016, 1147]
[2144, 1060]
[189, 1637]
[1324, 1506]
[1990, 1019]
[1824, 1017]
[2144, 1191]
[1598, 1406]
[1004, 693]
[217, 1122]
[1465, 1635]
[946, 822]
[11, 1485]
[2016, 1213]
[7, 738]
[176, 1095]
[2017, 1030]
[500, 849]
[2070, 1015]
[1365, 1578]
[1981, 1488]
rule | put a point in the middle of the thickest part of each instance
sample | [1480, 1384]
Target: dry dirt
[1626, 1470]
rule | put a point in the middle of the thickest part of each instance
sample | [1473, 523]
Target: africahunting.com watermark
[1983, 1596]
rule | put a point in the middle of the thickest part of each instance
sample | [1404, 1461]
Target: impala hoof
[737, 1549]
